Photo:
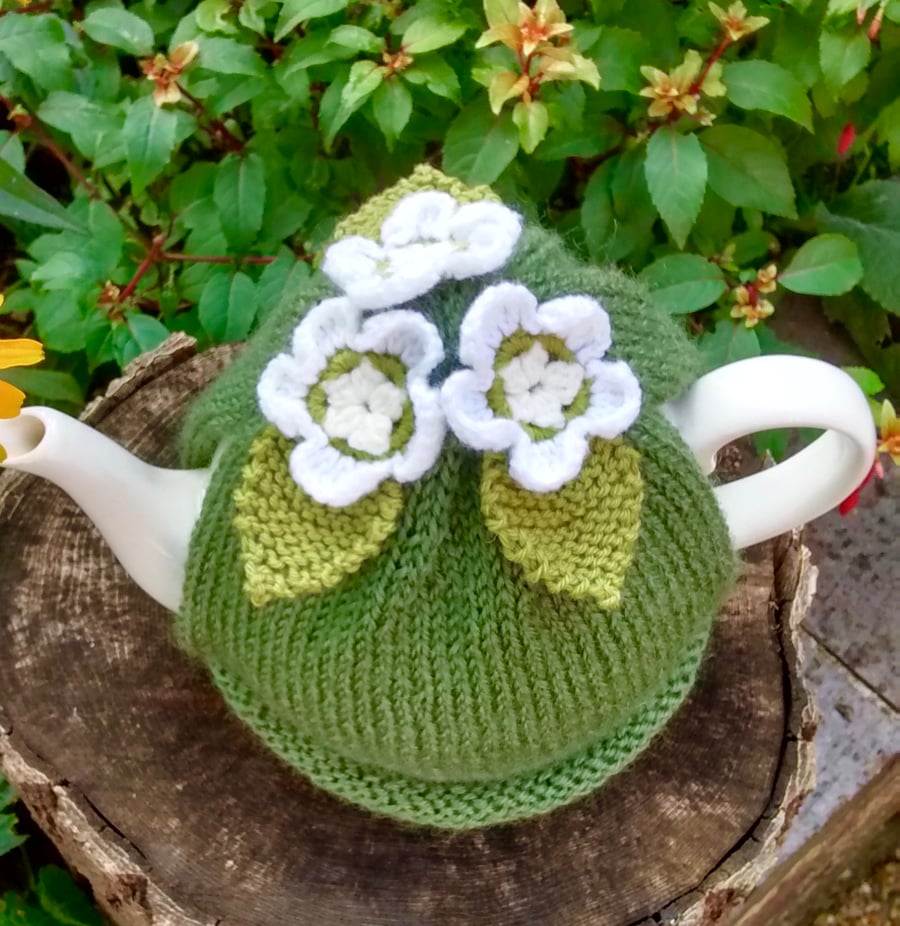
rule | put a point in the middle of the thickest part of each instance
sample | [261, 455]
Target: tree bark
[128, 758]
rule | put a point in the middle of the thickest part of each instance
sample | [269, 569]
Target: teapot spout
[146, 514]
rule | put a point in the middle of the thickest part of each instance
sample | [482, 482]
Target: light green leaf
[682, 283]
[392, 107]
[867, 380]
[676, 177]
[227, 56]
[294, 12]
[842, 55]
[150, 134]
[479, 145]
[36, 46]
[357, 39]
[9, 838]
[215, 16]
[532, 120]
[228, 307]
[428, 33]
[363, 80]
[728, 342]
[120, 29]
[435, 74]
[763, 85]
[870, 216]
[12, 151]
[748, 169]
[49, 385]
[826, 265]
[240, 197]
[252, 14]
[23, 200]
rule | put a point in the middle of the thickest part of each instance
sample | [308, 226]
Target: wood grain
[130, 760]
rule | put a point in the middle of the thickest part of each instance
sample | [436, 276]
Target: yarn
[454, 677]
[549, 535]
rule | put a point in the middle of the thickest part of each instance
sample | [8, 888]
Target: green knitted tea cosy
[454, 565]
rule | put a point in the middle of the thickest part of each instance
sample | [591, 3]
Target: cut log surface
[129, 759]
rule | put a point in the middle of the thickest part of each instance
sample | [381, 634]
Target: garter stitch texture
[476, 654]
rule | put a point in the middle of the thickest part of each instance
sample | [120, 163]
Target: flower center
[362, 404]
[538, 383]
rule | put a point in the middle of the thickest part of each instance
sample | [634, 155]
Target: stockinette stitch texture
[458, 651]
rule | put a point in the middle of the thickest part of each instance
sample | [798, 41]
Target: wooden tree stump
[128, 758]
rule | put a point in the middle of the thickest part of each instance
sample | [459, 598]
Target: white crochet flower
[428, 237]
[355, 394]
[537, 384]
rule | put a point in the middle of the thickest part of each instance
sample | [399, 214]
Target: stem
[713, 58]
[152, 256]
[216, 126]
[216, 258]
[75, 172]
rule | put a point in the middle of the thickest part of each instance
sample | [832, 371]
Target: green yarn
[290, 544]
[549, 535]
[440, 682]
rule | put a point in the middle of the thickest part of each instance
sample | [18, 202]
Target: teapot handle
[779, 392]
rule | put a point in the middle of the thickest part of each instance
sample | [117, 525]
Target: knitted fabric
[460, 663]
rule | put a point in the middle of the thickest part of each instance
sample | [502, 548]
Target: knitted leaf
[579, 539]
[292, 545]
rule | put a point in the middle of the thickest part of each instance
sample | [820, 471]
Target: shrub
[189, 158]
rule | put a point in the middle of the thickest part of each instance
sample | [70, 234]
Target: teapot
[456, 558]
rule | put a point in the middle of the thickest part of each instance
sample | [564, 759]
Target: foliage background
[189, 211]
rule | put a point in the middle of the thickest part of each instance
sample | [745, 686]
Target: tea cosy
[454, 566]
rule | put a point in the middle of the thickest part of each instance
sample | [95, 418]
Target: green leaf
[150, 135]
[36, 46]
[867, 380]
[619, 55]
[843, 55]
[23, 200]
[12, 151]
[228, 307]
[392, 107]
[214, 16]
[240, 197]
[227, 56]
[600, 134]
[682, 283]
[60, 322]
[479, 145]
[148, 332]
[119, 28]
[676, 177]
[826, 265]
[294, 12]
[356, 39]
[428, 33]
[9, 838]
[532, 120]
[728, 342]
[95, 128]
[748, 169]
[61, 897]
[49, 385]
[363, 80]
[435, 74]
[870, 216]
[7, 794]
[766, 86]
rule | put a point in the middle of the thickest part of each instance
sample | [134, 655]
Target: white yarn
[538, 389]
[364, 405]
[427, 237]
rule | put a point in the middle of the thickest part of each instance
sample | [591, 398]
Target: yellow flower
[164, 72]
[890, 432]
[749, 307]
[521, 27]
[20, 352]
[736, 22]
[677, 91]
[765, 279]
